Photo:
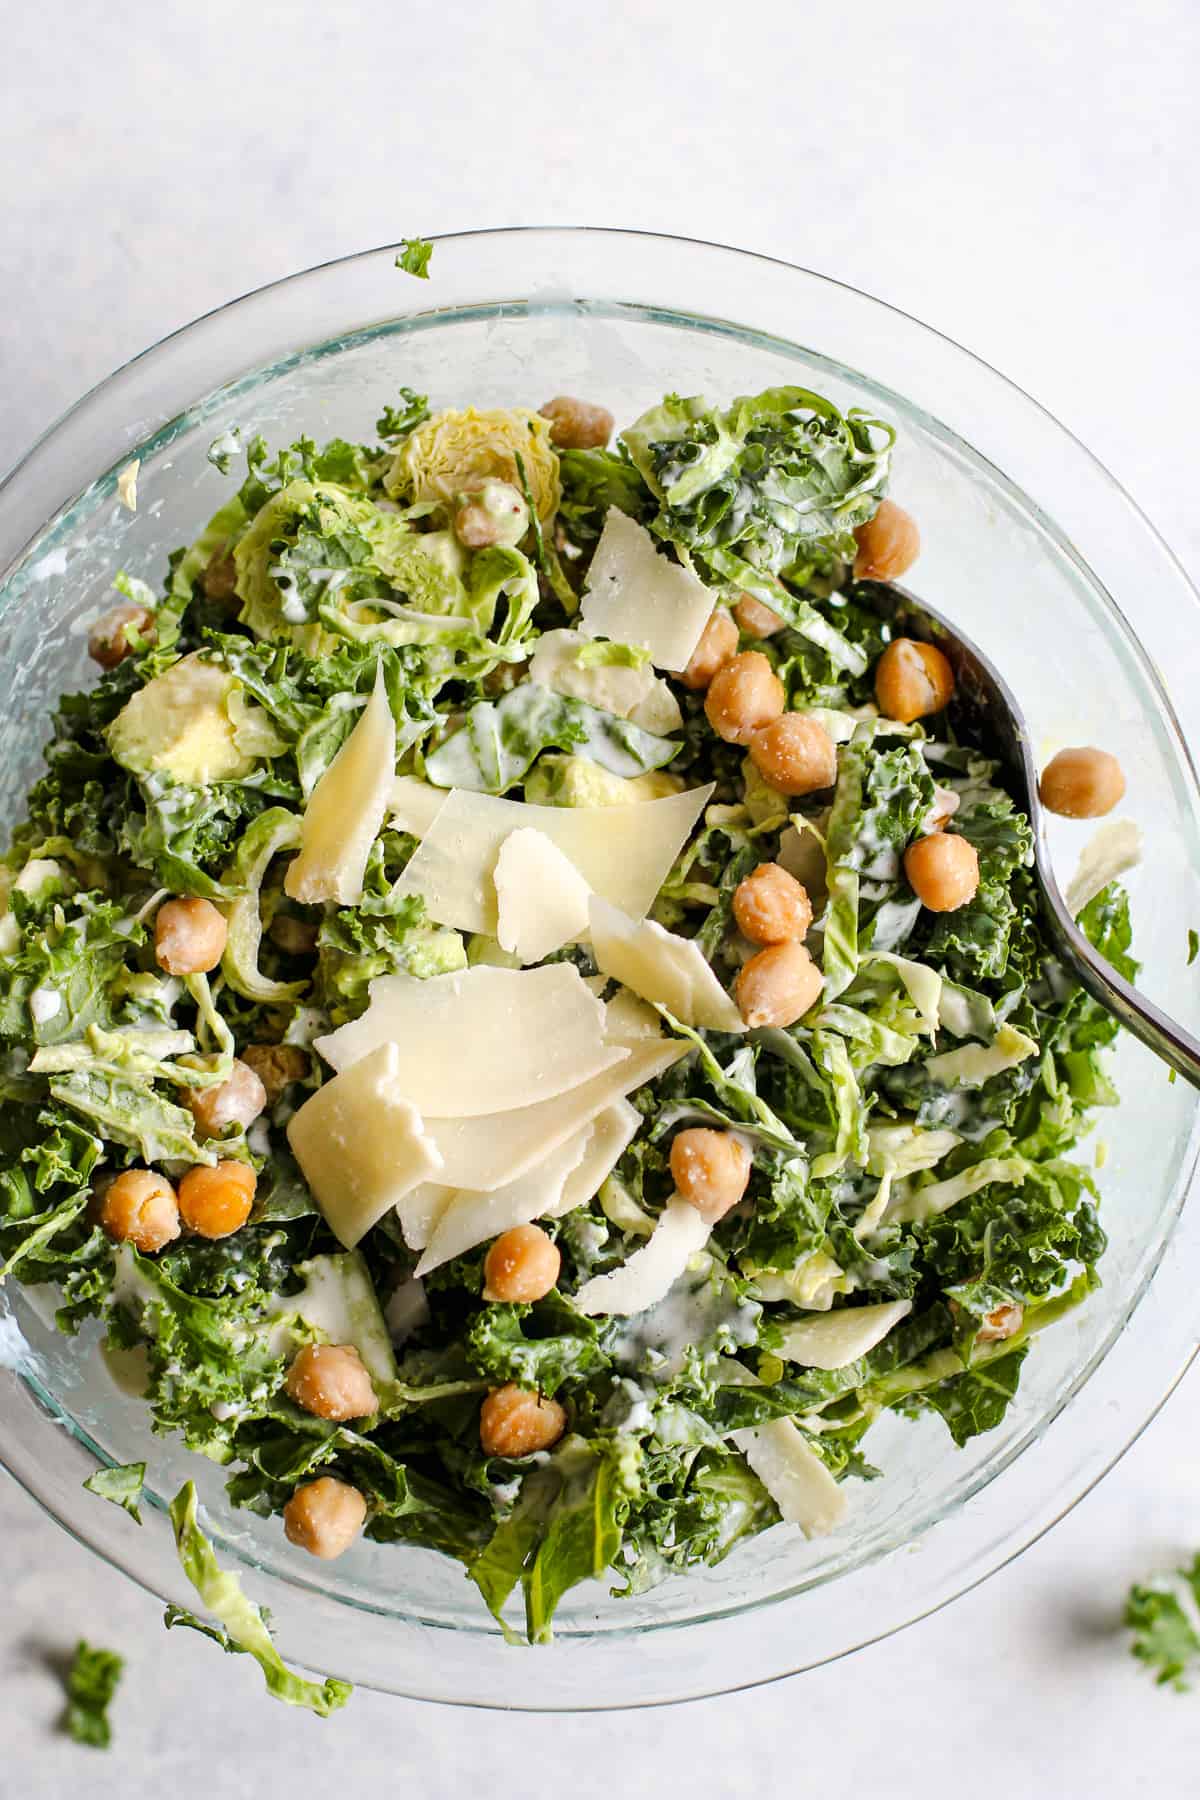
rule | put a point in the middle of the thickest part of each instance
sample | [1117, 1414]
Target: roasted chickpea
[744, 696]
[108, 640]
[324, 1517]
[1002, 1322]
[888, 544]
[718, 642]
[1082, 784]
[189, 936]
[577, 424]
[236, 1101]
[771, 907]
[139, 1208]
[755, 619]
[515, 1422]
[330, 1381]
[710, 1170]
[912, 680]
[219, 579]
[214, 1202]
[277, 1066]
[795, 754]
[522, 1265]
[942, 871]
[295, 937]
[778, 985]
[493, 513]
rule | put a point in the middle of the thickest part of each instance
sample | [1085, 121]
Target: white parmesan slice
[636, 596]
[361, 1145]
[495, 1148]
[1112, 850]
[481, 1040]
[413, 805]
[472, 1216]
[127, 482]
[622, 852]
[647, 1276]
[661, 967]
[841, 1337]
[419, 1211]
[628, 1020]
[541, 898]
[635, 693]
[346, 810]
[794, 1476]
[611, 1134]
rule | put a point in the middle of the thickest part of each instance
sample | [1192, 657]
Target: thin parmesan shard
[419, 1211]
[361, 1145]
[661, 967]
[624, 853]
[611, 1134]
[487, 1151]
[127, 482]
[482, 1040]
[471, 1217]
[346, 810]
[1112, 850]
[794, 1475]
[636, 596]
[648, 1275]
[541, 898]
[837, 1338]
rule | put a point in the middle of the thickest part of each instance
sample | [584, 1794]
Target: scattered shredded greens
[1164, 1617]
[121, 1484]
[92, 1681]
[414, 257]
[911, 1136]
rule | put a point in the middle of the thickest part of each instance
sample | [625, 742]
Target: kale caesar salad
[526, 1016]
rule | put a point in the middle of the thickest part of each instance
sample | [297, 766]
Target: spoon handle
[1168, 1040]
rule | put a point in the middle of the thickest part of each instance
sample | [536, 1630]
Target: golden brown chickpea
[912, 680]
[778, 985]
[1082, 784]
[577, 424]
[1002, 1322]
[743, 696]
[330, 1381]
[515, 1422]
[521, 1266]
[888, 544]
[942, 871]
[295, 937]
[771, 907]
[139, 1208]
[710, 1170]
[108, 640]
[324, 1517]
[219, 579]
[277, 1066]
[493, 513]
[235, 1101]
[214, 1202]
[189, 936]
[718, 642]
[755, 619]
[795, 754]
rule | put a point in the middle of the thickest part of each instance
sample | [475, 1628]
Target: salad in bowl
[525, 1012]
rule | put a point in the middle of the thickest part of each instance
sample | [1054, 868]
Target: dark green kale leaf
[91, 1684]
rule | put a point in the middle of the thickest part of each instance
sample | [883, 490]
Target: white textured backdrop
[1023, 177]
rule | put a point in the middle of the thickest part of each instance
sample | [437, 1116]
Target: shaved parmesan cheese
[361, 1145]
[346, 810]
[419, 1211]
[611, 1134]
[622, 852]
[1112, 850]
[481, 1040]
[413, 805]
[631, 692]
[649, 1274]
[472, 1217]
[541, 898]
[487, 1151]
[636, 596]
[127, 482]
[661, 967]
[841, 1337]
[629, 1020]
[794, 1476]
[976, 1063]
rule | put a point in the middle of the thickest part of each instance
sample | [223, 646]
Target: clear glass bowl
[1044, 560]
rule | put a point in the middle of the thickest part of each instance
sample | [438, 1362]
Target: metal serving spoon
[988, 703]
